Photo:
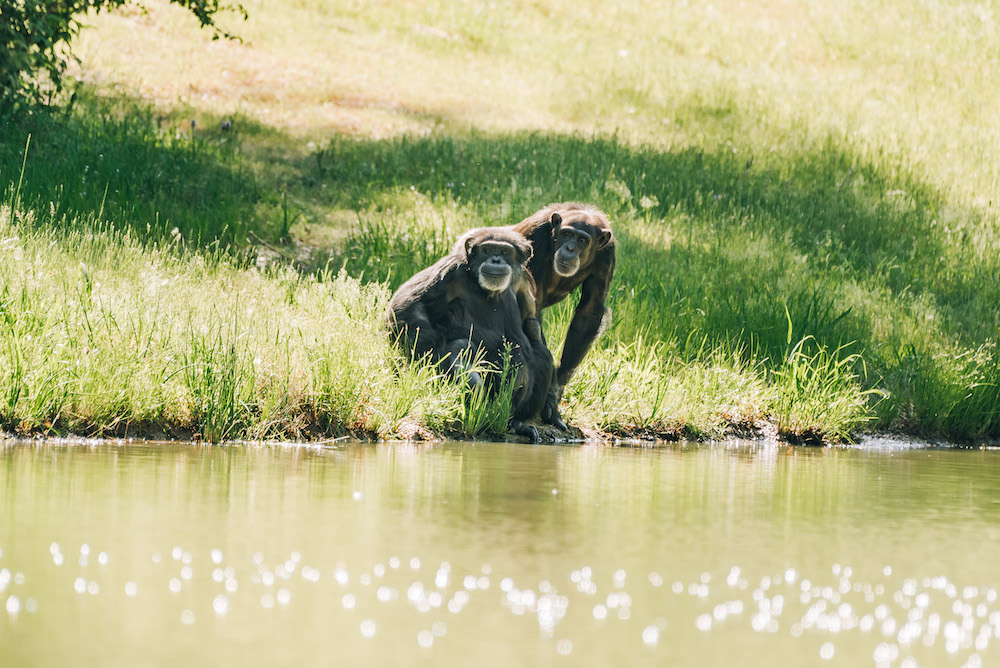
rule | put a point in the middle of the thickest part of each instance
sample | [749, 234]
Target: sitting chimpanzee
[479, 298]
[571, 246]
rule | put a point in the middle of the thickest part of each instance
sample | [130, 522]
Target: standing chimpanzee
[571, 246]
[479, 298]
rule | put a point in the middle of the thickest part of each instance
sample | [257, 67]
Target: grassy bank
[108, 336]
[806, 214]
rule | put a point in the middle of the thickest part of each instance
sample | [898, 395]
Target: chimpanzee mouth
[494, 282]
[564, 269]
[494, 271]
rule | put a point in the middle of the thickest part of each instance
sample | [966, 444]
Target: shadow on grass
[840, 219]
[114, 163]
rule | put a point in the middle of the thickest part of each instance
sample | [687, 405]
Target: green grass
[483, 413]
[819, 396]
[805, 198]
[113, 162]
[109, 336]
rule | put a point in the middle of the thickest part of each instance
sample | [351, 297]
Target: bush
[35, 38]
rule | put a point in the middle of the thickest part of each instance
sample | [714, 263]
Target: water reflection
[497, 554]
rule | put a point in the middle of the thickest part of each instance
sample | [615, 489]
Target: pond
[456, 554]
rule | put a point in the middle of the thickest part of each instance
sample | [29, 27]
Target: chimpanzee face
[575, 246]
[494, 264]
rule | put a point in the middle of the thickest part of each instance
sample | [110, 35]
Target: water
[490, 554]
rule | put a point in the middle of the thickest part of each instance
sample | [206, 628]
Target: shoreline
[637, 437]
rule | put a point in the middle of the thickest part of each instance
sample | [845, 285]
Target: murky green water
[458, 554]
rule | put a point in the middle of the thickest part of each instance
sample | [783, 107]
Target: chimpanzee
[479, 297]
[571, 246]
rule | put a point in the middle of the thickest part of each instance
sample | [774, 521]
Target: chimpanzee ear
[555, 220]
[604, 239]
[470, 243]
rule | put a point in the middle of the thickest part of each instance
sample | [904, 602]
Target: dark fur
[445, 313]
[593, 277]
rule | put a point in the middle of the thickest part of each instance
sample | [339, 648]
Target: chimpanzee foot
[522, 429]
[556, 421]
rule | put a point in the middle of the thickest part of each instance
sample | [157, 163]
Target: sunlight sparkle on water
[891, 618]
[221, 605]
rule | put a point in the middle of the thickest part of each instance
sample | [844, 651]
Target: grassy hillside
[805, 195]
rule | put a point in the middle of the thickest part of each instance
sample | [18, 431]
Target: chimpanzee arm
[531, 323]
[543, 365]
[586, 323]
[418, 311]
